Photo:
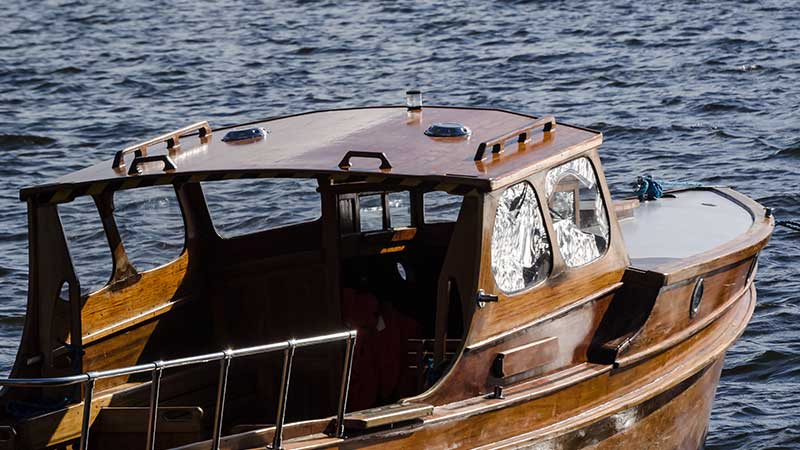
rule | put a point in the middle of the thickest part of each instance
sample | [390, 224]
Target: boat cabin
[439, 235]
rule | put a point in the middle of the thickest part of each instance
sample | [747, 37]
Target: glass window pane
[578, 212]
[400, 209]
[521, 254]
[246, 206]
[371, 212]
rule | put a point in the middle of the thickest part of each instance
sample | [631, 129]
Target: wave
[20, 141]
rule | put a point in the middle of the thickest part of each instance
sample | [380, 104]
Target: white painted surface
[675, 228]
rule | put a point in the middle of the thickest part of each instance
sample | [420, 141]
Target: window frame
[532, 181]
[600, 191]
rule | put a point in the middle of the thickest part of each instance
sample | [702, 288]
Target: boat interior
[242, 282]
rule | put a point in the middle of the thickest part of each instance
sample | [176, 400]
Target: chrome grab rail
[156, 368]
[172, 139]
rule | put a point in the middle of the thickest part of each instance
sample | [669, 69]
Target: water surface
[705, 93]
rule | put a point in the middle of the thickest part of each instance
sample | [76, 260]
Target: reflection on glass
[400, 209]
[578, 212]
[521, 255]
[370, 212]
[441, 206]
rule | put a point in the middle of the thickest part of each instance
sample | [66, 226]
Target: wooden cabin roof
[314, 143]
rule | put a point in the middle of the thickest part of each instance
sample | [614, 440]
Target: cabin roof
[314, 143]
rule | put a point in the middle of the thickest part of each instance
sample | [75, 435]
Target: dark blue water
[706, 93]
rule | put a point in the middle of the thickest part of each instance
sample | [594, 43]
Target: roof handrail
[172, 139]
[169, 164]
[156, 369]
[523, 135]
[344, 164]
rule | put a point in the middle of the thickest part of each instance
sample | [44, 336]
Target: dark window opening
[241, 207]
[441, 207]
[87, 242]
[150, 224]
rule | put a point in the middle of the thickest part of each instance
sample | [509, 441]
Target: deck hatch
[448, 129]
[245, 136]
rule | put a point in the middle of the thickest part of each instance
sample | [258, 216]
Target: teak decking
[611, 353]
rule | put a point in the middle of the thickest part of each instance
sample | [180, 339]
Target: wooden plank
[519, 359]
[134, 419]
[386, 415]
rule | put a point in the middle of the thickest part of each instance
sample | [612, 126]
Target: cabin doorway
[394, 247]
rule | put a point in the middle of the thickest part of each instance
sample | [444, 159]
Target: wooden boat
[543, 315]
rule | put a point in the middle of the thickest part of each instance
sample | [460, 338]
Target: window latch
[483, 298]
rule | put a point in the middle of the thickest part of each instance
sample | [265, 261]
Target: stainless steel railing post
[87, 411]
[225, 365]
[345, 388]
[288, 359]
[155, 388]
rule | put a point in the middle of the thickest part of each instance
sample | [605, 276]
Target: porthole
[697, 297]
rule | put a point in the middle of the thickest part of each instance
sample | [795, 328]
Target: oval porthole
[697, 297]
[401, 270]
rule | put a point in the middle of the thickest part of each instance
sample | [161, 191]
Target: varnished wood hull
[660, 403]
[668, 409]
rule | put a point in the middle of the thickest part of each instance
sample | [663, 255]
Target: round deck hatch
[244, 136]
[448, 129]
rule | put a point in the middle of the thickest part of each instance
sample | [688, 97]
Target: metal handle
[172, 139]
[483, 298]
[523, 135]
[344, 164]
[169, 164]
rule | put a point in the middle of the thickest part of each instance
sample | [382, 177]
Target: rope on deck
[790, 224]
[648, 188]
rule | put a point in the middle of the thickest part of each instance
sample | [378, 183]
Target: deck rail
[156, 368]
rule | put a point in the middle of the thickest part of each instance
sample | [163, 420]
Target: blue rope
[646, 188]
[790, 224]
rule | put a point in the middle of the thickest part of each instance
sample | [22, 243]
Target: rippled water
[705, 93]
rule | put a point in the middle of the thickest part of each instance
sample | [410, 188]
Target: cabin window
[578, 212]
[521, 254]
[441, 206]
[400, 209]
[150, 224]
[88, 246]
[247, 206]
[379, 211]
[370, 212]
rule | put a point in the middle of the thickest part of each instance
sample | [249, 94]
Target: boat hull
[660, 403]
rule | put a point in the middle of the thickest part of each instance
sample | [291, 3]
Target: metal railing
[156, 368]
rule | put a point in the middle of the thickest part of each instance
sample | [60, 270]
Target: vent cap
[448, 129]
[245, 136]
